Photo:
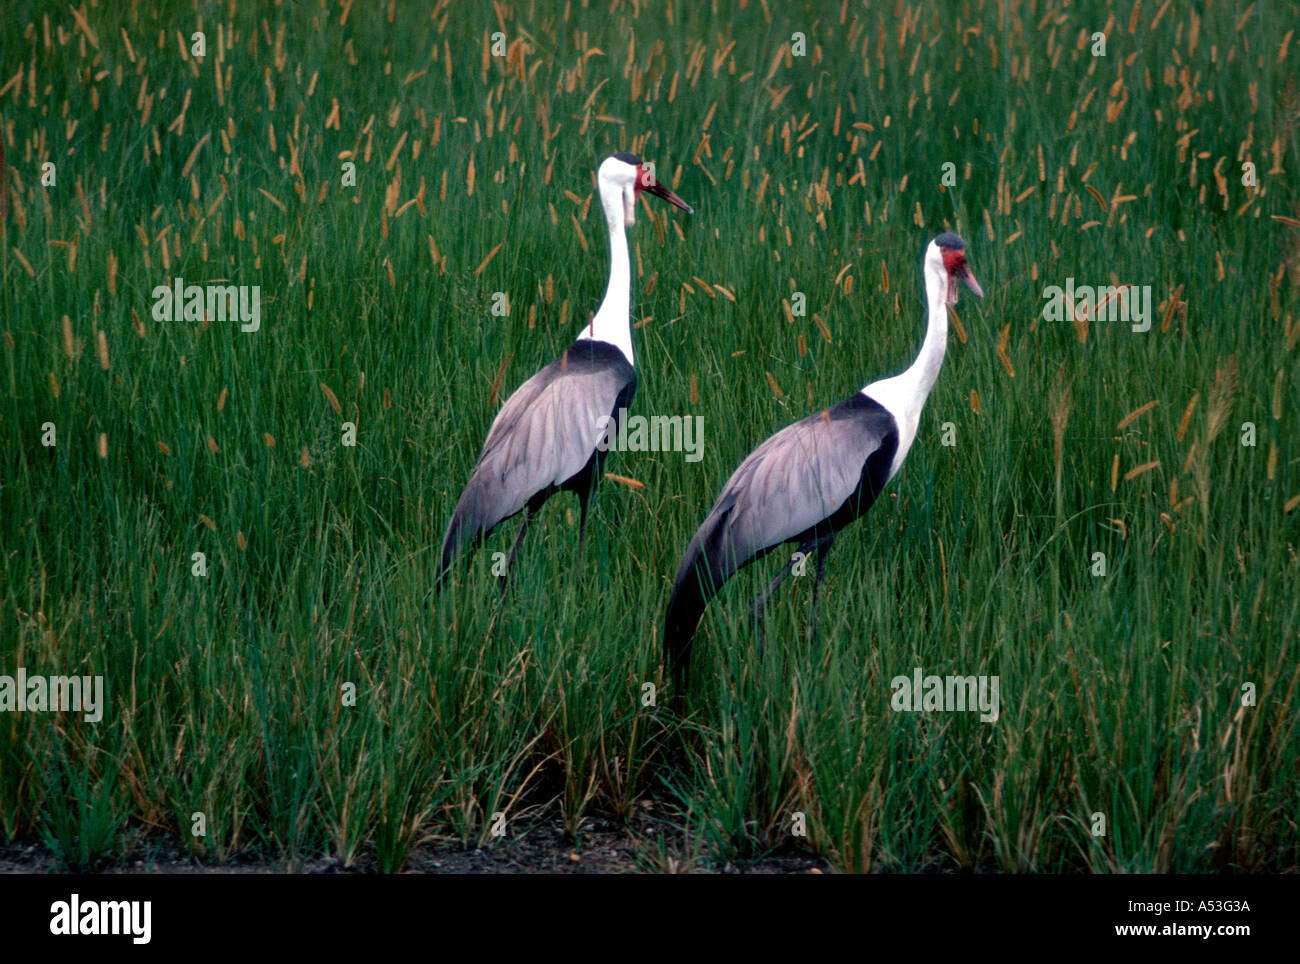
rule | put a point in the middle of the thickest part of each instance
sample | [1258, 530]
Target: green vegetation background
[1122, 693]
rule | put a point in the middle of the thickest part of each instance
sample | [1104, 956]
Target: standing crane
[544, 439]
[814, 477]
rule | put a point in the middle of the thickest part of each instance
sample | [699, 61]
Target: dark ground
[606, 846]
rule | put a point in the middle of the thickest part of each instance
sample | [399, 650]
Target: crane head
[629, 175]
[951, 250]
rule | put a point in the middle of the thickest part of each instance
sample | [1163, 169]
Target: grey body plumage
[542, 441]
[801, 486]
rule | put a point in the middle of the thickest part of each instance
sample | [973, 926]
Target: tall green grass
[1121, 694]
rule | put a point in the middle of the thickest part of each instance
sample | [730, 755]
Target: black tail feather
[461, 532]
[698, 581]
[685, 607]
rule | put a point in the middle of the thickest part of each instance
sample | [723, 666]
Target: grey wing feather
[793, 481]
[824, 470]
[544, 434]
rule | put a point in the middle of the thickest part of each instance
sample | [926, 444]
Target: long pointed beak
[658, 190]
[972, 284]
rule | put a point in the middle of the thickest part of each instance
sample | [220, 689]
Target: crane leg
[584, 503]
[823, 547]
[760, 601]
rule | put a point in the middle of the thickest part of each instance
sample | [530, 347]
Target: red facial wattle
[954, 262]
